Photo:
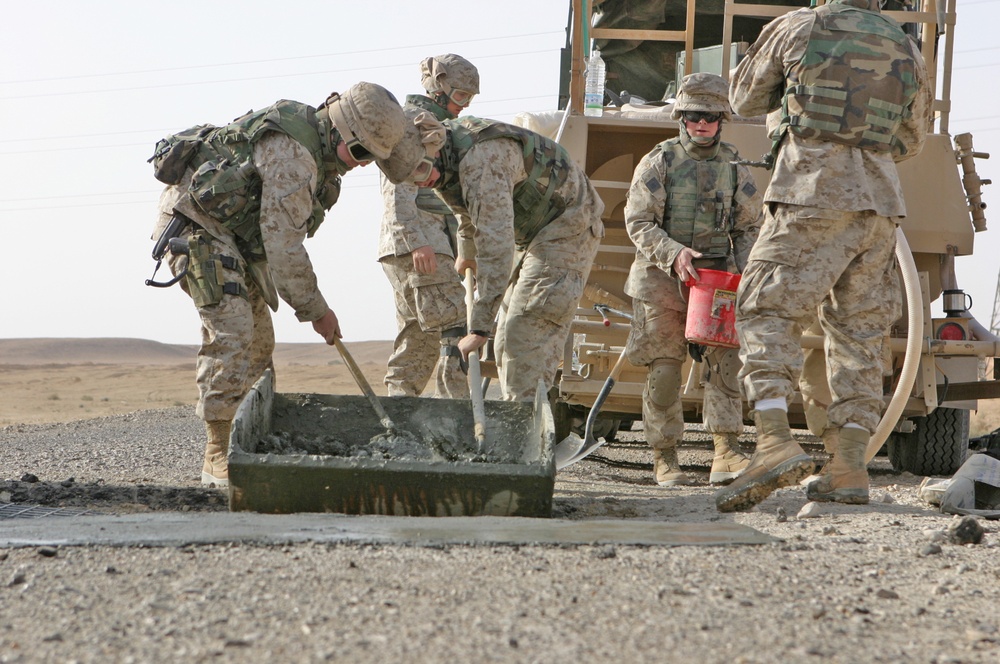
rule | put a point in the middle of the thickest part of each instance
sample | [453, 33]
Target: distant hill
[21, 352]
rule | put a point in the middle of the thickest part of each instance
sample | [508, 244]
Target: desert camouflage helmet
[367, 114]
[703, 92]
[444, 73]
[423, 137]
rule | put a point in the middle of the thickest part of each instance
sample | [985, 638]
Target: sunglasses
[423, 170]
[461, 97]
[698, 116]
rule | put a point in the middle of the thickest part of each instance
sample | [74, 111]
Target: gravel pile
[887, 582]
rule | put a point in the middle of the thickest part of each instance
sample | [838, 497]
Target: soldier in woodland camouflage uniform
[529, 224]
[417, 256]
[851, 89]
[688, 207]
[247, 196]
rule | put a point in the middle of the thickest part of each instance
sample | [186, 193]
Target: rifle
[169, 240]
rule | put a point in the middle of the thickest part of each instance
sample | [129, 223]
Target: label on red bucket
[711, 315]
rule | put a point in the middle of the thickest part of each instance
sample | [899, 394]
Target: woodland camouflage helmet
[448, 74]
[367, 115]
[423, 137]
[703, 92]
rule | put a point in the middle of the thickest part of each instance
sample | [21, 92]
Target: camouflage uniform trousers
[816, 397]
[840, 264]
[426, 305]
[538, 309]
[656, 338]
[237, 341]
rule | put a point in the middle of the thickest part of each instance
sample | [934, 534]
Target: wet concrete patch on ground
[101, 497]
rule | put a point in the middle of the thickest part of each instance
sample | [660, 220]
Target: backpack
[173, 154]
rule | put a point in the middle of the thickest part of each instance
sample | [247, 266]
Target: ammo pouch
[173, 154]
[206, 280]
[229, 193]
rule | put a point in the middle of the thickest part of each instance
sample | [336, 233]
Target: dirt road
[849, 584]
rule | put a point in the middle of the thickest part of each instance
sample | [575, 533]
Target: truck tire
[937, 446]
[606, 429]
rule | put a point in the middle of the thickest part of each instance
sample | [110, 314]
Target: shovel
[475, 374]
[572, 448]
[362, 382]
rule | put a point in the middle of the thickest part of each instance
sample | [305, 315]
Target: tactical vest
[854, 83]
[699, 198]
[427, 199]
[536, 200]
[226, 184]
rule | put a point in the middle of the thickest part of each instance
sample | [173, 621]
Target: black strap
[233, 288]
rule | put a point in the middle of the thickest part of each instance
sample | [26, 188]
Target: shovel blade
[567, 449]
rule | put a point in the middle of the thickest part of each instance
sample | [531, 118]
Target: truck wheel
[937, 446]
[606, 429]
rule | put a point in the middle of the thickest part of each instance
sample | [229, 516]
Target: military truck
[936, 372]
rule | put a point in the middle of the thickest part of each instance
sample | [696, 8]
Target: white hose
[914, 337]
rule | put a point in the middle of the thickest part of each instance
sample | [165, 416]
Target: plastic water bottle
[593, 99]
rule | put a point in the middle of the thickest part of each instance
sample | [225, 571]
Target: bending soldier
[249, 193]
[688, 206]
[529, 224]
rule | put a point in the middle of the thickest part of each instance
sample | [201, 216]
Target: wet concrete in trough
[179, 529]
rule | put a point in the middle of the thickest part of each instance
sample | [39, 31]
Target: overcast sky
[87, 88]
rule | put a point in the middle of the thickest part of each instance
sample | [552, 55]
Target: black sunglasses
[698, 116]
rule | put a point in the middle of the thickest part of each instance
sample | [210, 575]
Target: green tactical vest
[427, 199]
[226, 185]
[855, 82]
[536, 201]
[699, 198]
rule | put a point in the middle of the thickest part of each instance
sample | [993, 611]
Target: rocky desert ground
[107, 427]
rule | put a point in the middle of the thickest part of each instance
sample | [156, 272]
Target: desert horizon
[48, 380]
[51, 380]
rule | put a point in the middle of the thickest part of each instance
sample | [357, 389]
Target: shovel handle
[602, 396]
[362, 382]
[475, 373]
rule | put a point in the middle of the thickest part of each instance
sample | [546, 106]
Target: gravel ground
[876, 583]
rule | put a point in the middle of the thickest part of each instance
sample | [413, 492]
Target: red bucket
[711, 314]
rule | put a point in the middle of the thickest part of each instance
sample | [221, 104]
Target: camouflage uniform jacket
[405, 226]
[289, 183]
[651, 277]
[815, 172]
[488, 174]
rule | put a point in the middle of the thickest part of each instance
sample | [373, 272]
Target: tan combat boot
[728, 463]
[215, 471]
[777, 462]
[667, 468]
[845, 476]
[831, 436]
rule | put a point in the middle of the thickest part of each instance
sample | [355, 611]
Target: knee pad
[723, 369]
[663, 382]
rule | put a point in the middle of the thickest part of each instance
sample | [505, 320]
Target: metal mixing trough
[435, 472]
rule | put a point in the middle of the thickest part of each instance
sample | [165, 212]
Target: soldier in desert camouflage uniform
[529, 224]
[245, 219]
[417, 255]
[851, 89]
[688, 207]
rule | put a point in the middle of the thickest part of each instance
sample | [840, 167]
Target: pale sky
[87, 88]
